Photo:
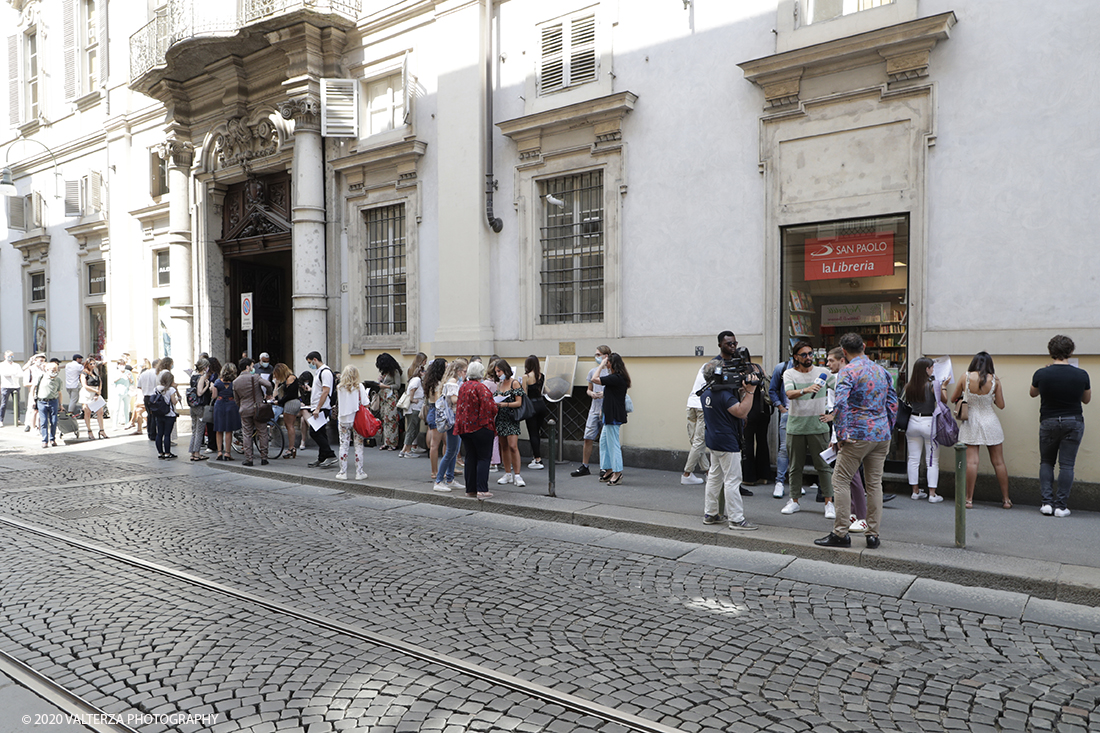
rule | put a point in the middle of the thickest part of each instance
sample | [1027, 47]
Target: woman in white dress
[982, 391]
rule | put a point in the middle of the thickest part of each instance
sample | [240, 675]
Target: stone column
[309, 298]
[179, 155]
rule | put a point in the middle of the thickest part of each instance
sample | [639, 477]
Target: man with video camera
[727, 397]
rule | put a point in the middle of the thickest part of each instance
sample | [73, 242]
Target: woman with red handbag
[350, 395]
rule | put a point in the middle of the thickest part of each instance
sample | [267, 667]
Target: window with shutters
[30, 74]
[158, 174]
[568, 54]
[90, 51]
[385, 104]
[817, 11]
[84, 196]
[25, 212]
[377, 102]
[386, 272]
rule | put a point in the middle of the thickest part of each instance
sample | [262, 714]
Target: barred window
[386, 271]
[572, 240]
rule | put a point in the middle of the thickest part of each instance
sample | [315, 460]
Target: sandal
[102, 434]
[615, 481]
[969, 504]
[605, 475]
[1007, 504]
[292, 453]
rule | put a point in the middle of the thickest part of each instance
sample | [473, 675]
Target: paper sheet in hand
[499, 398]
[829, 454]
[317, 421]
[942, 370]
[96, 404]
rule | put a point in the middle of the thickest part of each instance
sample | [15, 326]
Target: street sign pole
[246, 318]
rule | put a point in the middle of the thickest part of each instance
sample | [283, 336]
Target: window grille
[386, 271]
[573, 249]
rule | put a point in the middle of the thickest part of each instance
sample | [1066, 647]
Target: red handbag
[366, 424]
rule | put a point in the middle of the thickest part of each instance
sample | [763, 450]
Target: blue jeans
[1059, 439]
[447, 465]
[781, 454]
[164, 433]
[611, 451]
[47, 418]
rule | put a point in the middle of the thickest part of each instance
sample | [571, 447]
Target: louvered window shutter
[406, 90]
[68, 47]
[72, 198]
[34, 216]
[17, 213]
[339, 108]
[15, 87]
[582, 51]
[101, 11]
[94, 194]
[552, 72]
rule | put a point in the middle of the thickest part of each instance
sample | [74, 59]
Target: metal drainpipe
[490, 182]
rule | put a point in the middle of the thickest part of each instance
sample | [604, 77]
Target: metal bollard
[552, 467]
[960, 495]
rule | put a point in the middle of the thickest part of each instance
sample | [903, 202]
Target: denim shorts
[431, 417]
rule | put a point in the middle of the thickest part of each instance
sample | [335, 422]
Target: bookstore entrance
[849, 275]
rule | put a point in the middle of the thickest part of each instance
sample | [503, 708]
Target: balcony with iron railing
[197, 25]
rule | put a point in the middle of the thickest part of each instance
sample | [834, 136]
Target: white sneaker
[1046, 509]
[858, 526]
[919, 495]
[535, 465]
[451, 484]
[360, 476]
[791, 508]
[935, 499]
[778, 492]
[830, 510]
[505, 479]
[1061, 512]
[342, 475]
[441, 487]
[519, 481]
[494, 468]
[690, 479]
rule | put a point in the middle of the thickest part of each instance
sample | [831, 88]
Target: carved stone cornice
[394, 164]
[178, 153]
[603, 116]
[90, 226]
[35, 246]
[241, 142]
[906, 48]
[305, 111]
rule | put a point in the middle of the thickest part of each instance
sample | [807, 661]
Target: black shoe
[873, 541]
[263, 461]
[247, 463]
[745, 492]
[170, 456]
[605, 475]
[888, 497]
[820, 497]
[314, 464]
[582, 471]
[834, 540]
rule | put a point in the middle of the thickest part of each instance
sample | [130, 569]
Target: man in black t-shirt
[1064, 389]
[724, 411]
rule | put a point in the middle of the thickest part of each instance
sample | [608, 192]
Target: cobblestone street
[157, 588]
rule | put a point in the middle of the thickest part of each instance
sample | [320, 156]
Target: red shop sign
[851, 256]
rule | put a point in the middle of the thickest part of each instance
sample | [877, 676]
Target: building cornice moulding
[604, 115]
[905, 47]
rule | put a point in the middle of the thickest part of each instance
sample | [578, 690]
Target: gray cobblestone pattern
[694, 646]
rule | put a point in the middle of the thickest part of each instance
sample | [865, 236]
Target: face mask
[9, 358]
[312, 367]
[264, 363]
[598, 359]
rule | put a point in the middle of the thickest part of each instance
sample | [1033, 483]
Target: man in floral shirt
[866, 405]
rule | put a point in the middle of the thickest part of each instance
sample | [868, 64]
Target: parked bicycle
[276, 439]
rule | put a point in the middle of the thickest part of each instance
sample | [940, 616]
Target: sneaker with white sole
[536, 465]
[712, 519]
[830, 510]
[452, 484]
[791, 508]
[919, 495]
[1061, 512]
[935, 499]
[1046, 509]
[360, 476]
[858, 526]
[505, 479]
[518, 481]
[690, 480]
[342, 475]
[777, 493]
[744, 525]
[441, 487]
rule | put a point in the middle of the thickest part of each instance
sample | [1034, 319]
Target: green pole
[552, 467]
[960, 495]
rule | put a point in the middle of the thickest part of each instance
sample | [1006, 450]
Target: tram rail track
[534, 690]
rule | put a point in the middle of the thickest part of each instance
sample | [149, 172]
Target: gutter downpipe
[490, 182]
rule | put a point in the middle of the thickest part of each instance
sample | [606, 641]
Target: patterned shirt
[475, 408]
[866, 403]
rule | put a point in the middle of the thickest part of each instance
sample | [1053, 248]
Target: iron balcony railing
[181, 20]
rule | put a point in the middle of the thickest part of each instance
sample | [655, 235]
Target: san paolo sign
[850, 256]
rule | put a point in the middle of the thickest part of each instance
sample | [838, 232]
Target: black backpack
[158, 405]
